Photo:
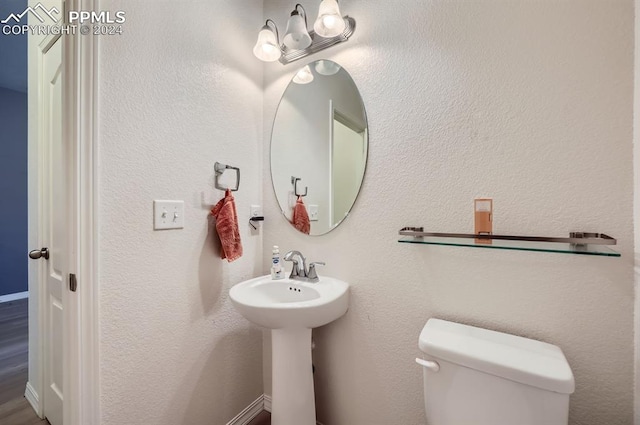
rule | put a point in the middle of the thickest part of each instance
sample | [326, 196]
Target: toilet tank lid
[508, 356]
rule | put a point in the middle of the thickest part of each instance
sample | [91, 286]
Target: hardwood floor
[14, 352]
[263, 418]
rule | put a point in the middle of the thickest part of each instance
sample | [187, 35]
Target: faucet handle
[313, 275]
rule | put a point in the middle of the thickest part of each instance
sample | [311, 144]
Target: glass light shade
[304, 76]
[297, 36]
[328, 68]
[330, 22]
[266, 48]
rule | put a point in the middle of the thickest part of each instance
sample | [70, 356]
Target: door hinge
[73, 282]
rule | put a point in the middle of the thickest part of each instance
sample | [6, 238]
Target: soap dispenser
[276, 266]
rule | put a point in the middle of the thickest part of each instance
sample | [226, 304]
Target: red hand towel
[300, 218]
[227, 227]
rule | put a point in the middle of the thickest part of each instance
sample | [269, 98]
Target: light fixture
[304, 76]
[298, 42]
[297, 35]
[325, 67]
[329, 23]
[267, 47]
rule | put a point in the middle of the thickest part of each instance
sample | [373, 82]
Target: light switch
[313, 213]
[168, 215]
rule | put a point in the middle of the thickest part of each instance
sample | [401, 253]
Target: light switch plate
[168, 215]
[313, 213]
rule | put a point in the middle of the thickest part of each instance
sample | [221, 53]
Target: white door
[349, 156]
[54, 226]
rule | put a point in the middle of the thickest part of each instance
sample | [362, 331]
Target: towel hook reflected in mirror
[220, 169]
[294, 182]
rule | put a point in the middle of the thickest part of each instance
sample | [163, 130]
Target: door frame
[81, 368]
[81, 364]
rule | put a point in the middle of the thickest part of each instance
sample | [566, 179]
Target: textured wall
[13, 160]
[178, 91]
[13, 191]
[528, 102]
[13, 50]
[636, 207]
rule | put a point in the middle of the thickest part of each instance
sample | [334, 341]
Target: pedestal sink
[291, 308]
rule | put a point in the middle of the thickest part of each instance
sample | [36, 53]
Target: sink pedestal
[291, 308]
[293, 401]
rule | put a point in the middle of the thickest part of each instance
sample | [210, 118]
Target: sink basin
[287, 303]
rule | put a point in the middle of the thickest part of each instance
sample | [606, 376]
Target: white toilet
[474, 376]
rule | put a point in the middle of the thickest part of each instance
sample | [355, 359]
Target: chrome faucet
[299, 270]
[297, 259]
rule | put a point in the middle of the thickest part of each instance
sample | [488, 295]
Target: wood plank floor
[263, 418]
[14, 352]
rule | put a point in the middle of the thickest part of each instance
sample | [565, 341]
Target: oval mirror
[319, 147]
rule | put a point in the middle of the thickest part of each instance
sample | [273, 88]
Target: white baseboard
[267, 405]
[248, 414]
[32, 397]
[14, 297]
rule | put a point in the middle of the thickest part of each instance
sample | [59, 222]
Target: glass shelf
[593, 246]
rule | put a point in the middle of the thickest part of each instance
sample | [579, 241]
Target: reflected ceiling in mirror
[319, 147]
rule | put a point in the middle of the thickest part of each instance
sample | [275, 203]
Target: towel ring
[294, 182]
[220, 169]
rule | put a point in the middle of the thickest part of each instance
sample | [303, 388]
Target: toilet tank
[484, 377]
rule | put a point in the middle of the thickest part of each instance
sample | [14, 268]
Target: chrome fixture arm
[300, 10]
[318, 43]
[274, 26]
[575, 238]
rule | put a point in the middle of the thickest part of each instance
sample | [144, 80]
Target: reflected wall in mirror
[319, 146]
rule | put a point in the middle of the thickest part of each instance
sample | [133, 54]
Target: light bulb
[266, 48]
[330, 22]
[326, 67]
[297, 36]
[270, 50]
[304, 76]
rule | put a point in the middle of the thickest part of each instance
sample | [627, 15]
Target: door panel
[349, 157]
[53, 226]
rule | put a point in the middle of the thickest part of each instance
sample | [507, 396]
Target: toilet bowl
[475, 376]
